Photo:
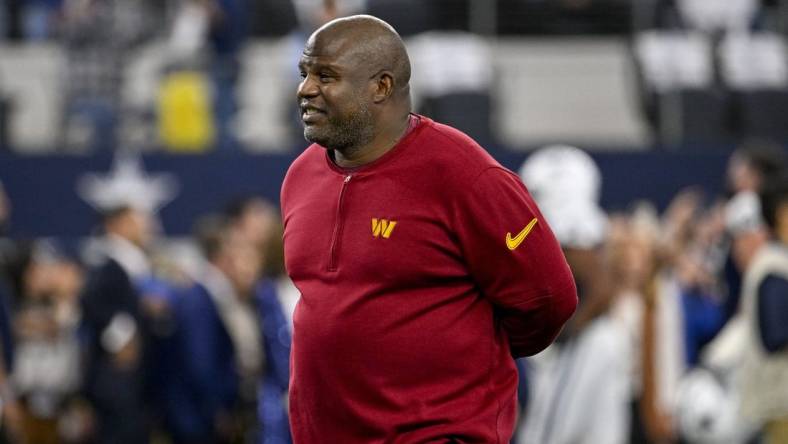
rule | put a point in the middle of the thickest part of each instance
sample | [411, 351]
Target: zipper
[335, 238]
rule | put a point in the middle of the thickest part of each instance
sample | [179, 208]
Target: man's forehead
[341, 61]
[330, 47]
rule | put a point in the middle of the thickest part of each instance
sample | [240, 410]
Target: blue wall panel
[45, 203]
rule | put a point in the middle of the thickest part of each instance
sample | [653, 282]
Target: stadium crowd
[707, 72]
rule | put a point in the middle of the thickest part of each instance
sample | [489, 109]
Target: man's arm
[772, 312]
[515, 259]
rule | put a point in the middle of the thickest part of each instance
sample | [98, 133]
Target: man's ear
[384, 86]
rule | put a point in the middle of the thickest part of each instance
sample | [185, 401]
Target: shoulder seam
[460, 146]
[492, 167]
[444, 135]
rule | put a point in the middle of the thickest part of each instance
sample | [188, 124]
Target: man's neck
[376, 148]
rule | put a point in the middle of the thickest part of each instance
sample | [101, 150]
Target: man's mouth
[310, 114]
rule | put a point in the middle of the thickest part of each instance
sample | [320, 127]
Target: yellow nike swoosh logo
[514, 242]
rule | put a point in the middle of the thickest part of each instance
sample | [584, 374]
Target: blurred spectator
[754, 162]
[682, 308]
[648, 305]
[40, 18]
[745, 225]
[99, 36]
[273, 391]
[229, 30]
[115, 324]
[748, 167]
[257, 221]
[254, 219]
[765, 308]
[579, 385]
[220, 342]
[220, 28]
[694, 257]
[47, 365]
[708, 400]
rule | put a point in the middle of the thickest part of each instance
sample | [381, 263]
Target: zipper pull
[347, 178]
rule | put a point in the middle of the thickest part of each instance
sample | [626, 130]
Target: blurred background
[143, 144]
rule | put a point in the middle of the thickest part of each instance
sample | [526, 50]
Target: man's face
[241, 263]
[138, 226]
[741, 176]
[334, 95]
[257, 222]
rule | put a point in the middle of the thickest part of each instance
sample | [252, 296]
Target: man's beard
[343, 135]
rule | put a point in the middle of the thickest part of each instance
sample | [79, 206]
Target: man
[579, 386]
[113, 317]
[764, 306]
[257, 222]
[220, 350]
[424, 266]
[748, 167]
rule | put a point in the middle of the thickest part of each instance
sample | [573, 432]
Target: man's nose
[307, 88]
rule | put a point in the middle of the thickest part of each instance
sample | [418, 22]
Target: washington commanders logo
[382, 227]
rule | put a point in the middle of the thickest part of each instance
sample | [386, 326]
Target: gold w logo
[382, 227]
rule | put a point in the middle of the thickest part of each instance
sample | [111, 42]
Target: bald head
[354, 94]
[366, 43]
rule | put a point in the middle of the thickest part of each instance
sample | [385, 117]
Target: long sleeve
[205, 355]
[515, 260]
[772, 307]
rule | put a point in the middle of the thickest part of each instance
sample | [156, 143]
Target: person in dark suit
[114, 325]
[271, 410]
[257, 221]
[220, 352]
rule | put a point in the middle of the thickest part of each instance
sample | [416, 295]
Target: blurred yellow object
[776, 431]
[185, 114]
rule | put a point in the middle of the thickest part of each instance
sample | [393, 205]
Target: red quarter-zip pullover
[421, 275]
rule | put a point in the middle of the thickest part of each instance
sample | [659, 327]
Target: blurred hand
[77, 423]
[128, 357]
[155, 307]
[13, 421]
[682, 208]
[678, 222]
[692, 272]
